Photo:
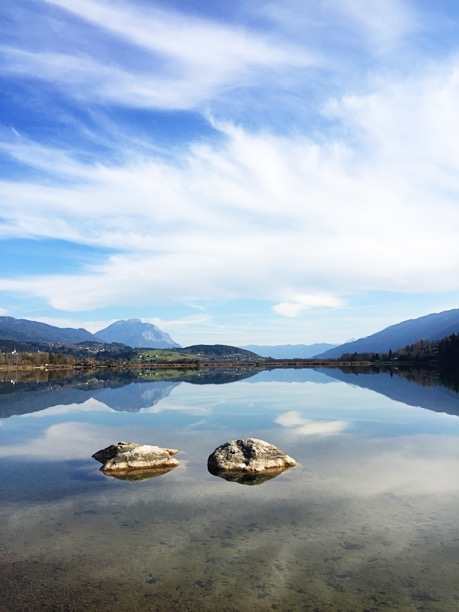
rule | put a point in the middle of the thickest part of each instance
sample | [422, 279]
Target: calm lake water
[367, 520]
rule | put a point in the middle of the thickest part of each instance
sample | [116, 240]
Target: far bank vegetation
[423, 353]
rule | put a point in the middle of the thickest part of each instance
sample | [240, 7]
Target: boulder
[128, 456]
[248, 455]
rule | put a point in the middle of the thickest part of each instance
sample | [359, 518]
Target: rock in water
[248, 455]
[127, 456]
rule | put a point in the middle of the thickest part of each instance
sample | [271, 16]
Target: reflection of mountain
[218, 376]
[129, 398]
[435, 397]
[127, 391]
[120, 391]
[19, 399]
[135, 396]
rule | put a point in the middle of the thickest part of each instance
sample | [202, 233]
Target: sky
[244, 172]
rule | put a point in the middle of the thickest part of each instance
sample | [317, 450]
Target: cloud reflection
[308, 427]
[61, 441]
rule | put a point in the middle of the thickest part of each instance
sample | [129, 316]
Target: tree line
[444, 352]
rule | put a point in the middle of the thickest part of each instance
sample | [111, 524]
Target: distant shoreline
[262, 365]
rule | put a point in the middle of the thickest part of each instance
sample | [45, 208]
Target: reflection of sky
[297, 410]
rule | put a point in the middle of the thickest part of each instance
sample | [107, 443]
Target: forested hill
[218, 350]
[443, 353]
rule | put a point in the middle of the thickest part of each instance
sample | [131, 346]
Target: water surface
[367, 520]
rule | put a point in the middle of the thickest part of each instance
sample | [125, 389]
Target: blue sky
[234, 172]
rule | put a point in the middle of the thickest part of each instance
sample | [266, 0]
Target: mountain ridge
[133, 333]
[434, 326]
[33, 331]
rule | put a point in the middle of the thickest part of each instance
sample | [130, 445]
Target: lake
[367, 520]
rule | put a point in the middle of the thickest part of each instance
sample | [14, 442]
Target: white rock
[126, 456]
[248, 455]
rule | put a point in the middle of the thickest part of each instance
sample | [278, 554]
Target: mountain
[431, 327]
[136, 334]
[289, 351]
[23, 330]
[132, 333]
[121, 396]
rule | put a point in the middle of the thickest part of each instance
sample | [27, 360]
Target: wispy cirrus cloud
[170, 61]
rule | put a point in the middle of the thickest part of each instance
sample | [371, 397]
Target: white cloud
[41, 157]
[384, 25]
[303, 302]
[262, 216]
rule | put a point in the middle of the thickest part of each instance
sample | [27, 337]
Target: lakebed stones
[129, 456]
[248, 456]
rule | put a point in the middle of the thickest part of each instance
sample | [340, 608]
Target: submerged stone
[248, 455]
[129, 456]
